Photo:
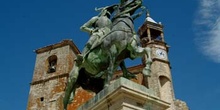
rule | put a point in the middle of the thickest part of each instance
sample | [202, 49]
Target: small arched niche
[52, 64]
[163, 80]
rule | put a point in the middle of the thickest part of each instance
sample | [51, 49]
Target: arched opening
[165, 89]
[52, 64]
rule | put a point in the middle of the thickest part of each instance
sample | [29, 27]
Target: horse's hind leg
[71, 86]
[125, 71]
[112, 52]
[148, 61]
[137, 51]
[146, 53]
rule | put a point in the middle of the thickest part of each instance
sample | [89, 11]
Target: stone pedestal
[124, 94]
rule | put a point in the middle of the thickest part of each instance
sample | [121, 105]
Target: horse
[98, 65]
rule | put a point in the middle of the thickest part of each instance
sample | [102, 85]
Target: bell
[53, 68]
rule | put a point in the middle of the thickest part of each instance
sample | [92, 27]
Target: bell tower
[151, 35]
[52, 67]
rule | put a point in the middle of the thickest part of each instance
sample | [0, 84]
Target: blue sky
[192, 30]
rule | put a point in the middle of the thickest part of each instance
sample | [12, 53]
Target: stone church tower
[160, 81]
[54, 62]
[52, 67]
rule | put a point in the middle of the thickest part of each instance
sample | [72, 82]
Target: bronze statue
[111, 42]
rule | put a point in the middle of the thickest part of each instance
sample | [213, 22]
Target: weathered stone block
[124, 94]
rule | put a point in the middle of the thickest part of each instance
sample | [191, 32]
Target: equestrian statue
[112, 40]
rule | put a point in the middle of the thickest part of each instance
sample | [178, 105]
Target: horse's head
[128, 7]
[131, 3]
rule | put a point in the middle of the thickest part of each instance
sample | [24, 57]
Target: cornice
[57, 45]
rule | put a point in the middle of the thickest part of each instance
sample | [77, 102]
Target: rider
[97, 27]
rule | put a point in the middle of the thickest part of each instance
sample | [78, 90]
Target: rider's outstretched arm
[88, 26]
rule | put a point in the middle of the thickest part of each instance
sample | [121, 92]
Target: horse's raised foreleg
[71, 86]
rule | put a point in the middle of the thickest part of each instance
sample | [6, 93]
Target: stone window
[42, 99]
[52, 64]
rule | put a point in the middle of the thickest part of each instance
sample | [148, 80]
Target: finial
[148, 18]
[148, 13]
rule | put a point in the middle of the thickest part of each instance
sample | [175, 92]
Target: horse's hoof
[79, 58]
[106, 85]
[70, 100]
[146, 72]
[129, 75]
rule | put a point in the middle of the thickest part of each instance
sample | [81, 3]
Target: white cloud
[208, 26]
